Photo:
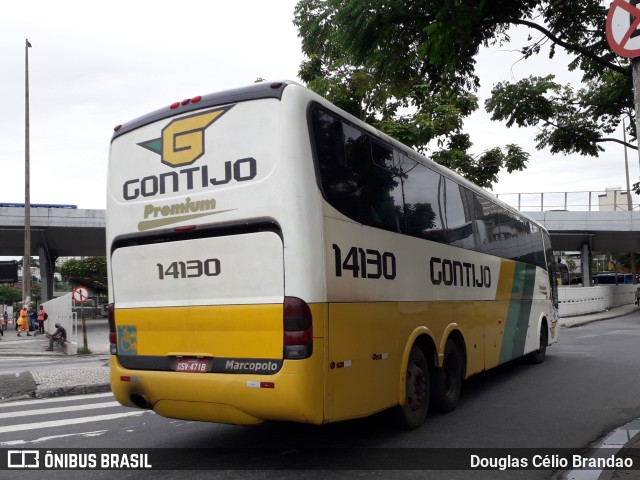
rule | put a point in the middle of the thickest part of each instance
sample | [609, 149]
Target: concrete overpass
[586, 232]
[615, 232]
[55, 232]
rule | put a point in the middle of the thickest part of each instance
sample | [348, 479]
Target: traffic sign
[80, 294]
[623, 33]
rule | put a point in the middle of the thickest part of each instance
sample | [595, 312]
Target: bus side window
[459, 216]
[486, 225]
[385, 190]
[525, 248]
[537, 246]
[343, 158]
[422, 205]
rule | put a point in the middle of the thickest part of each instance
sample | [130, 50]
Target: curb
[75, 390]
[24, 386]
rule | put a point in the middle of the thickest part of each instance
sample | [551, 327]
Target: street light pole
[26, 260]
[629, 205]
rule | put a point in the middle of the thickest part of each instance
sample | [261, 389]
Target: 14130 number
[365, 263]
[190, 269]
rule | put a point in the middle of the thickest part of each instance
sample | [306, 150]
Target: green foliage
[408, 68]
[9, 295]
[89, 267]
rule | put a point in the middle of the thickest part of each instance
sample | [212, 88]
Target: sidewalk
[49, 382]
[576, 321]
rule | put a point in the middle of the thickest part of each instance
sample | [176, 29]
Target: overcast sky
[96, 65]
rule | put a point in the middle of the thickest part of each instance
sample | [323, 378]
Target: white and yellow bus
[271, 257]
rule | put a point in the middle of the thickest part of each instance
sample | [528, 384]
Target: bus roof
[252, 92]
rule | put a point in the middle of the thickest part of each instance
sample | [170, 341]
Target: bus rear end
[203, 326]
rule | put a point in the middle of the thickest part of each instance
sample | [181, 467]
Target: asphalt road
[587, 387]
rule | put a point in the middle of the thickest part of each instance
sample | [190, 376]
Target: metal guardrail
[581, 201]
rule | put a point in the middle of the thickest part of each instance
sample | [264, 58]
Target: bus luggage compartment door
[214, 296]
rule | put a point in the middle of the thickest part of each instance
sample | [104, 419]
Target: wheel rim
[416, 387]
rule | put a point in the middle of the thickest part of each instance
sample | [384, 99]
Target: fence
[586, 201]
[583, 300]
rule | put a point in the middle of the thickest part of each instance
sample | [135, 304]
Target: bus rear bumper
[205, 412]
[293, 394]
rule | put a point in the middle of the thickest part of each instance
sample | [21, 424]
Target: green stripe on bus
[515, 332]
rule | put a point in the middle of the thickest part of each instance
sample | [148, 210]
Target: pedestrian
[5, 316]
[33, 321]
[60, 333]
[2, 325]
[16, 315]
[23, 321]
[42, 316]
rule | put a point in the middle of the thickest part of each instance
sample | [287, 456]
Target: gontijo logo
[181, 144]
[182, 141]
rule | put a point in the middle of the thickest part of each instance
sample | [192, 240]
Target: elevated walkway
[62, 232]
[603, 231]
[55, 232]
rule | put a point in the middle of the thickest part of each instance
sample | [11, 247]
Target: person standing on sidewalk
[42, 316]
[23, 321]
[33, 321]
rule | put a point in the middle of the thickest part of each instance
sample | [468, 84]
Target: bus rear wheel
[538, 356]
[414, 411]
[447, 381]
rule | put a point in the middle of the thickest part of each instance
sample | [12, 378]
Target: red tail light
[113, 337]
[298, 329]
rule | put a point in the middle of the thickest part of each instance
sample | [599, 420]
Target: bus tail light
[113, 338]
[298, 329]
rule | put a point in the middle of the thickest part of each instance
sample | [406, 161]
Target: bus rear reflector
[298, 329]
[113, 338]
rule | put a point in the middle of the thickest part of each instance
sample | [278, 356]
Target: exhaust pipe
[140, 401]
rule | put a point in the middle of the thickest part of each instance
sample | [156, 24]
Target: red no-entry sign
[80, 294]
[623, 32]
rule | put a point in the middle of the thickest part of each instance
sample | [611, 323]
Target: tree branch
[616, 140]
[574, 48]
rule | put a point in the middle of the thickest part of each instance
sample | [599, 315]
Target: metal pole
[629, 207]
[26, 260]
[636, 100]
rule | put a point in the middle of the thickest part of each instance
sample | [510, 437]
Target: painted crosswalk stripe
[46, 411]
[70, 421]
[40, 401]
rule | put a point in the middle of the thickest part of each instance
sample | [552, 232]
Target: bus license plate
[192, 365]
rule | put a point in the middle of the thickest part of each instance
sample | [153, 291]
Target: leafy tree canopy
[9, 295]
[408, 67]
[89, 267]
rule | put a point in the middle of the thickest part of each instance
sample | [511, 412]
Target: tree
[377, 58]
[94, 268]
[368, 57]
[9, 295]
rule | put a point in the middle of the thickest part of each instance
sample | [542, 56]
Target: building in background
[613, 200]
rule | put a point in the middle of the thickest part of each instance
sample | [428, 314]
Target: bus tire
[539, 355]
[447, 381]
[414, 411]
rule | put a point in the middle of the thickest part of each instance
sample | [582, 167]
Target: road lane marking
[70, 398]
[13, 443]
[73, 408]
[71, 421]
